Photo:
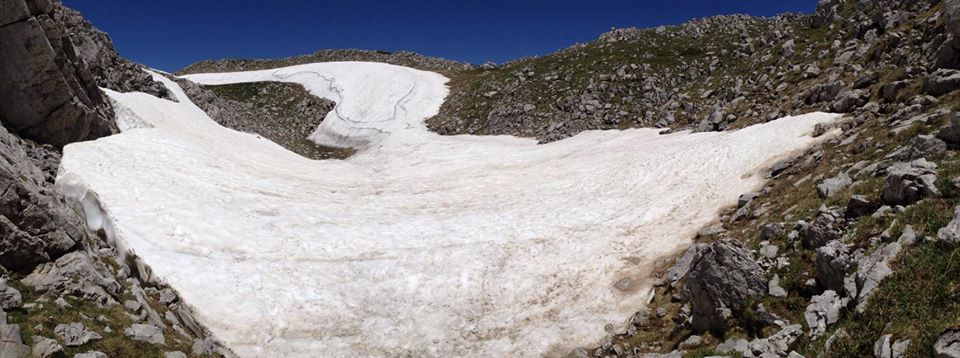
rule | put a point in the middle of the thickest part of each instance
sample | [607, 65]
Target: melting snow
[419, 245]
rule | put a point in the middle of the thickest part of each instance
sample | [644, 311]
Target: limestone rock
[834, 262]
[948, 345]
[46, 94]
[832, 186]
[951, 233]
[75, 334]
[145, 332]
[9, 296]
[725, 277]
[76, 274]
[45, 348]
[91, 354]
[907, 183]
[942, 81]
[826, 227]
[822, 311]
[951, 133]
[919, 147]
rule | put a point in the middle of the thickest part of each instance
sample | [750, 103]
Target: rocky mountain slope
[63, 289]
[850, 250]
[401, 58]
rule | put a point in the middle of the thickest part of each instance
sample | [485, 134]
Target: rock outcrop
[47, 93]
[36, 224]
[722, 283]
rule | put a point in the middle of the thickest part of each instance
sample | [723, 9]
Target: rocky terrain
[63, 290]
[850, 250]
[281, 112]
[401, 58]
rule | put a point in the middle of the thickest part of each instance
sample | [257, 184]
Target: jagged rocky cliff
[63, 288]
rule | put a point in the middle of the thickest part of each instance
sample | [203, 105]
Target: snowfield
[419, 245]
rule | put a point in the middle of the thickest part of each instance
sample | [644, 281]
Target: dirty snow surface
[420, 245]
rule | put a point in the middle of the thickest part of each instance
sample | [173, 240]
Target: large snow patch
[421, 244]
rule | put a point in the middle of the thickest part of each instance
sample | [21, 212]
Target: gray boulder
[11, 343]
[9, 296]
[907, 183]
[91, 354]
[774, 288]
[891, 91]
[919, 147]
[832, 186]
[951, 233]
[777, 345]
[146, 333]
[849, 100]
[822, 311]
[942, 81]
[45, 348]
[682, 266]
[948, 345]
[771, 231]
[951, 133]
[826, 227]
[871, 271]
[75, 334]
[75, 274]
[860, 205]
[886, 347]
[834, 262]
[721, 282]
[176, 354]
[826, 92]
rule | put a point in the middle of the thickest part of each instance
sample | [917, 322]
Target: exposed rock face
[847, 101]
[860, 205]
[96, 49]
[145, 332]
[75, 273]
[777, 345]
[871, 271]
[826, 227]
[948, 346]
[46, 92]
[75, 334]
[951, 133]
[951, 233]
[946, 56]
[36, 225]
[282, 112]
[832, 186]
[722, 282]
[834, 263]
[823, 310]
[921, 147]
[46, 348]
[942, 81]
[907, 183]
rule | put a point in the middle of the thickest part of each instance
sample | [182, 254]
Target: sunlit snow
[421, 244]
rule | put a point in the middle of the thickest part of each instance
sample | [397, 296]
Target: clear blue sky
[171, 34]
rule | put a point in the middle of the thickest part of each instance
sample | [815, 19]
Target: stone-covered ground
[850, 250]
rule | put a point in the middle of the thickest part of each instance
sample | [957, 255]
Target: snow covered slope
[420, 244]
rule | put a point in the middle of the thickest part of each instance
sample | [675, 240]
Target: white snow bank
[421, 245]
